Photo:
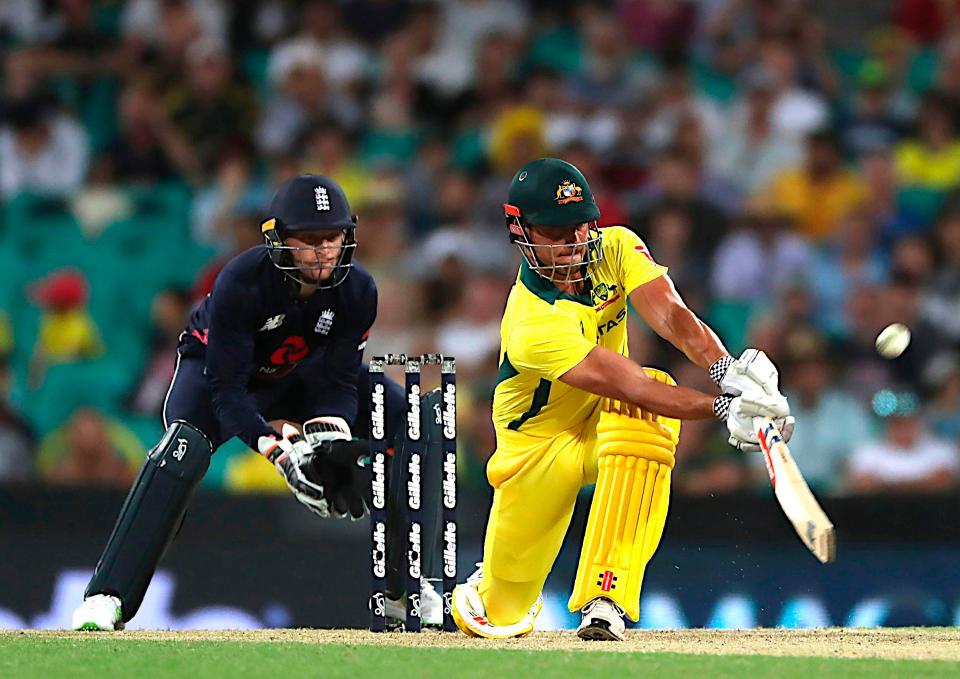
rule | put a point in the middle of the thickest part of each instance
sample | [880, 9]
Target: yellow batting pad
[635, 456]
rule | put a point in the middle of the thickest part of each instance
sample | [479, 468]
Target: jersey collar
[547, 291]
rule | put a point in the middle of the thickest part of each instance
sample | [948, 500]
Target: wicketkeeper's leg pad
[635, 456]
[151, 515]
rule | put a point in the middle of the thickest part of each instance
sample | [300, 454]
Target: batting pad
[635, 455]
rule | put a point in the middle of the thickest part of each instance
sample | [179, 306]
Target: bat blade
[796, 500]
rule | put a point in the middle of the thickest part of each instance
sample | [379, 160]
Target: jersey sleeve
[229, 358]
[632, 260]
[332, 389]
[548, 344]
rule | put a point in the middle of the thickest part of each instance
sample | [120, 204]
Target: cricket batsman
[272, 356]
[571, 409]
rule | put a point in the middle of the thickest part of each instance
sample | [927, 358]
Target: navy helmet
[310, 202]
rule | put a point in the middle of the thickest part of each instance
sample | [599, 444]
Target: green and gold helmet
[549, 192]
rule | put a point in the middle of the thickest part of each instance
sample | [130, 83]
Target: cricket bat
[797, 502]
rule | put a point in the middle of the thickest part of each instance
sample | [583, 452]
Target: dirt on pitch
[908, 643]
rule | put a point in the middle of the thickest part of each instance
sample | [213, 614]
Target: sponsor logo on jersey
[604, 328]
[325, 322]
[322, 199]
[293, 350]
[272, 323]
[568, 192]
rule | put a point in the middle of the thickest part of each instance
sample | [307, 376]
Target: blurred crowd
[795, 163]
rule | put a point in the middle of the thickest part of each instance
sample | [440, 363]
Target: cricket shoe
[98, 613]
[602, 621]
[431, 607]
[470, 614]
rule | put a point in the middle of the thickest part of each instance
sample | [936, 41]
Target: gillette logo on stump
[380, 550]
[378, 484]
[450, 411]
[377, 413]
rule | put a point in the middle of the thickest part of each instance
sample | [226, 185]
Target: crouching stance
[273, 357]
[571, 409]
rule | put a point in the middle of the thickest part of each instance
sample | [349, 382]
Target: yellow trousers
[535, 488]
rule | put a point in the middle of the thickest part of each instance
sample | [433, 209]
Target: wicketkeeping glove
[338, 461]
[293, 457]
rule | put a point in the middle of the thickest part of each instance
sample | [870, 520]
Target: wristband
[719, 368]
[721, 406]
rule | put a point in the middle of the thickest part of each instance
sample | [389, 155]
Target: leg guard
[635, 455]
[151, 515]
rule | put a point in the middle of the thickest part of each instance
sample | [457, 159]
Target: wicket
[378, 486]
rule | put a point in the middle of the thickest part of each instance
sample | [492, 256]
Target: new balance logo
[323, 200]
[325, 322]
[273, 322]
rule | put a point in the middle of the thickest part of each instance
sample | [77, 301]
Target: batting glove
[752, 372]
[740, 413]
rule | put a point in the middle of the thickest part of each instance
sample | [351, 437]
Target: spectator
[302, 97]
[752, 149]
[943, 379]
[234, 190]
[41, 149]
[820, 446]
[90, 450]
[908, 459]
[345, 60]
[17, 440]
[873, 121]
[676, 180]
[796, 111]
[148, 148]
[850, 260]
[210, 95]
[754, 262]
[821, 192]
[931, 160]
[67, 332]
[941, 304]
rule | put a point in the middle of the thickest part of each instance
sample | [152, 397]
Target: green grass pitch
[98, 656]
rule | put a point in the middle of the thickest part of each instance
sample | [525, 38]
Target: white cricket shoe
[431, 606]
[98, 613]
[602, 621]
[471, 617]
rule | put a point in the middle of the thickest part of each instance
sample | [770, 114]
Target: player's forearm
[695, 338]
[607, 373]
[668, 400]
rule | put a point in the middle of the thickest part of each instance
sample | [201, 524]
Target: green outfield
[777, 654]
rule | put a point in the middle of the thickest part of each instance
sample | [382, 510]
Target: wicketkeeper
[273, 357]
[571, 409]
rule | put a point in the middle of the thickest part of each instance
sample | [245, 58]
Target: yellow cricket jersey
[545, 333]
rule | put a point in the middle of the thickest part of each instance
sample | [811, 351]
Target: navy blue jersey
[252, 333]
